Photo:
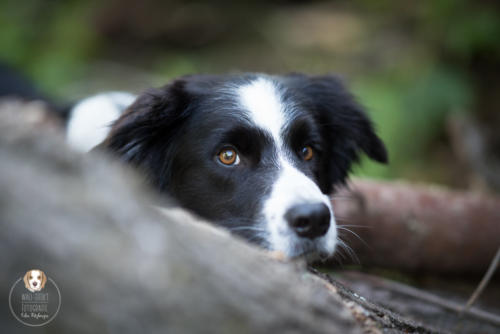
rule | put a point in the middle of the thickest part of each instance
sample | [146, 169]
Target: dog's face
[257, 154]
[34, 280]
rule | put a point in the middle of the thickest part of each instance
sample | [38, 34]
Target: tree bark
[419, 228]
[122, 267]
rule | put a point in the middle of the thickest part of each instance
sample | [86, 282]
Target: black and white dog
[257, 154]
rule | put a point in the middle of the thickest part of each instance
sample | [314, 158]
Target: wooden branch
[419, 228]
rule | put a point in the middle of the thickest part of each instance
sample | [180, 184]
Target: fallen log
[122, 267]
[419, 228]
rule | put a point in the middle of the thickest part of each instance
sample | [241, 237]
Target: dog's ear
[344, 124]
[26, 279]
[44, 280]
[143, 135]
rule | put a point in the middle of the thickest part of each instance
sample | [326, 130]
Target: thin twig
[486, 278]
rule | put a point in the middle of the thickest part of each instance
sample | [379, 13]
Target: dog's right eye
[228, 157]
[307, 153]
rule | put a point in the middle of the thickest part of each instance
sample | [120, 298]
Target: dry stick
[486, 278]
[475, 295]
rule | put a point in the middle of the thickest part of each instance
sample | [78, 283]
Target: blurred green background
[427, 71]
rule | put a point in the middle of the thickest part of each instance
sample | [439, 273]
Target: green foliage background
[411, 63]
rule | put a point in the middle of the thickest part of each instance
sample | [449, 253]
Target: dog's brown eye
[307, 153]
[228, 156]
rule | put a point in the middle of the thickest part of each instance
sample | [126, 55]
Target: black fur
[345, 128]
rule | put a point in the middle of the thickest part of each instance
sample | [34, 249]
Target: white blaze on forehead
[263, 100]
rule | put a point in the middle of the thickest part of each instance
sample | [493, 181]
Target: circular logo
[34, 299]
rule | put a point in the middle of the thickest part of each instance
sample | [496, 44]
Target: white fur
[263, 100]
[90, 119]
[292, 188]
[35, 282]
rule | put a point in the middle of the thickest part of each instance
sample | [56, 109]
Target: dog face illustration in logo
[35, 280]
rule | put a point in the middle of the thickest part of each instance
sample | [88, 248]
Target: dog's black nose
[309, 220]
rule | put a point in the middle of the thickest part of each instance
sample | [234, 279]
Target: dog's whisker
[359, 238]
[340, 256]
[349, 250]
[355, 234]
[259, 239]
[342, 219]
[250, 228]
[357, 226]
[350, 231]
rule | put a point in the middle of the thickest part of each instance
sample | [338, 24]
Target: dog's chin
[312, 250]
[309, 250]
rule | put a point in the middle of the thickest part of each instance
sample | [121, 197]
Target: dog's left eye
[229, 157]
[307, 153]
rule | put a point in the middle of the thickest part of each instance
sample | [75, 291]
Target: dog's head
[257, 154]
[34, 280]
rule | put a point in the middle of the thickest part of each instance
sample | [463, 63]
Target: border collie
[258, 154]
